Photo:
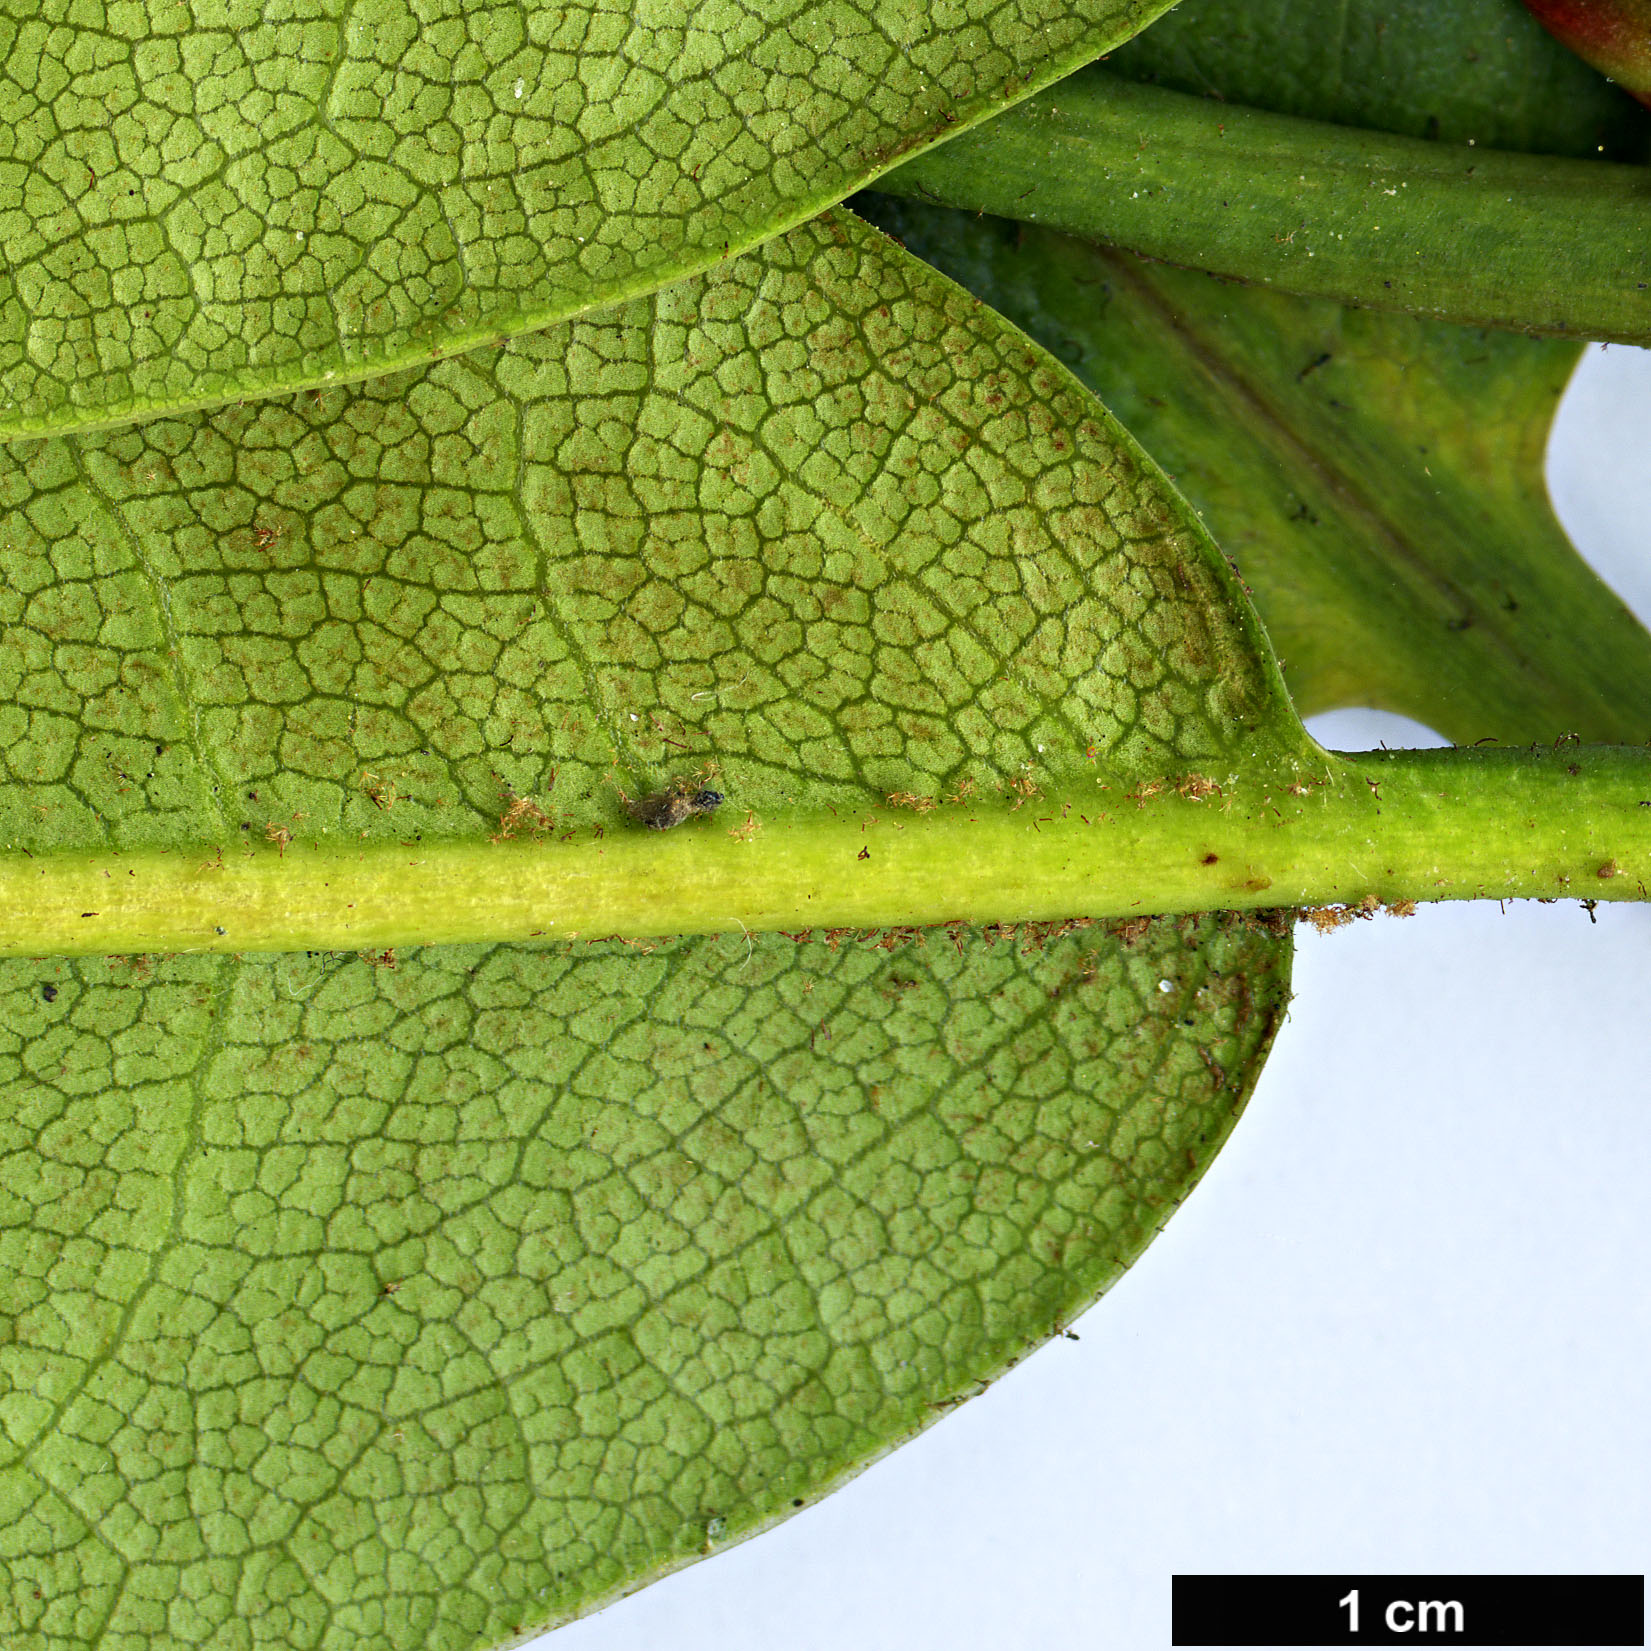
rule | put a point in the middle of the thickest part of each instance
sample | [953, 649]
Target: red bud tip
[1613, 35]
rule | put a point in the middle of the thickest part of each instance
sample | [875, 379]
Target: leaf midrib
[1279, 830]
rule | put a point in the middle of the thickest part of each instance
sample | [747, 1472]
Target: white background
[1402, 1326]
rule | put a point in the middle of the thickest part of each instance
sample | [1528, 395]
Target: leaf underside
[200, 204]
[424, 1302]
[1480, 69]
[1376, 478]
[367, 1308]
[820, 519]
[421, 1306]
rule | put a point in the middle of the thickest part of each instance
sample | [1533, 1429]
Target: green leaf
[393, 665]
[199, 205]
[416, 1302]
[424, 1300]
[1377, 478]
[1610, 34]
[1479, 69]
[1478, 236]
[420, 1301]
[819, 520]
[356, 1307]
[1480, 72]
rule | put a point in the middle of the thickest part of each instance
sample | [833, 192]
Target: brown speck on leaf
[864, 854]
[1195, 788]
[524, 818]
[1273, 921]
[905, 799]
[891, 939]
[380, 793]
[1326, 918]
[1609, 869]
[744, 833]
[1035, 936]
[1401, 908]
[1025, 789]
[280, 836]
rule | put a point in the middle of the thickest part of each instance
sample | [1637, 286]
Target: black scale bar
[1575, 1611]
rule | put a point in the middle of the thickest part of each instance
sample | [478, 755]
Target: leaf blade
[1377, 478]
[840, 566]
[1481, 69]
[275, 204]
[556, 1341]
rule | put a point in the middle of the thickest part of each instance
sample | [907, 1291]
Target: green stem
[1528, 242]
[1392, 826]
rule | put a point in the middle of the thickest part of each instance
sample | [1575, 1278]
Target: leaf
[399, 610]
[366, 1307]
[1482, 237]
[819, 520]
[324, 1230]
[1478, 69]
[1377, 478]
[1479, 72]
[1610, 34]
[1434, 582]
[200, 206]
[421, 1300]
